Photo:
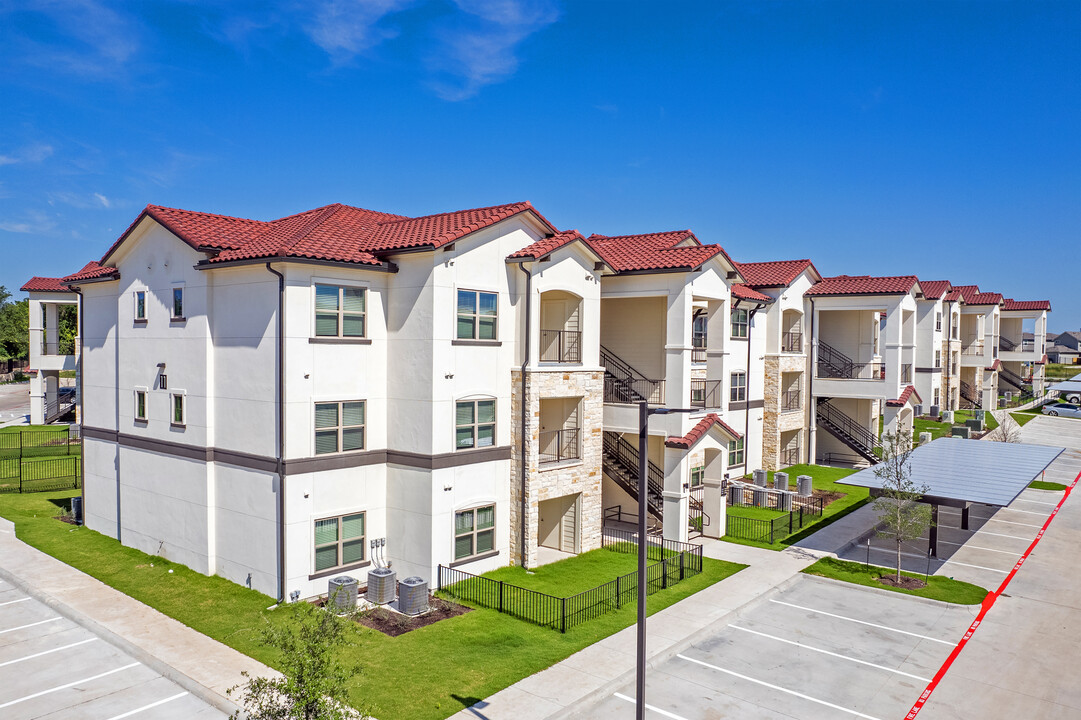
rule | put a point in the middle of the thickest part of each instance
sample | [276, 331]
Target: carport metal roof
[1071, 385]
[958, 471]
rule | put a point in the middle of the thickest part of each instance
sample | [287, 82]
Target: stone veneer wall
[557, 480]
[774, 422]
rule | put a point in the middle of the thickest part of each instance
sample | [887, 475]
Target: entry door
[568, 540]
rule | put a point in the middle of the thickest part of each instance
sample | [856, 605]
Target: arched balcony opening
[560, 327]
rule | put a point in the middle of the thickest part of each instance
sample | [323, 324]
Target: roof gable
[776, 273]
[673, 250]
[864, 285]
[935, 289]
[45, 284]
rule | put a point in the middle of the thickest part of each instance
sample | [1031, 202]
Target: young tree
[1008, 430]
[313, 686]
[903, 518]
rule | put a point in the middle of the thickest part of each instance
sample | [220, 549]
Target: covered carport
[959, 473]
[1068, 388]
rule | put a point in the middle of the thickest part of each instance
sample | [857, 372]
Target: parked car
[1063, 409]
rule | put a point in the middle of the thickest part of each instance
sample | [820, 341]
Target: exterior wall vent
[381, 586]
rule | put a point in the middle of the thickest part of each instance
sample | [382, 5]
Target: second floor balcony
[560, 346]
[791, 401]
[53, 347]
[706, 393]
[556, 446]
[853, 371]
[792, 342]
[972, 348]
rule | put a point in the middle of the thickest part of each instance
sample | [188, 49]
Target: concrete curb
[168, 671]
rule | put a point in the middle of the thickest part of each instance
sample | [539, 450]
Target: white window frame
[476, 315]
[744, 323]
[476, 531]
[340, 543]
[172, 303]
[136, 392]
[340, 428]
[698, 472]
[341, 312]
[173, 395]
[737, 392]
[476, 424]
[135, 304]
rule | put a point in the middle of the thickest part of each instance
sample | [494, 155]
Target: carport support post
[964, 517]
[932, 536]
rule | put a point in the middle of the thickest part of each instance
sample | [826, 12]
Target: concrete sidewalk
[596, 671]
[202, 666]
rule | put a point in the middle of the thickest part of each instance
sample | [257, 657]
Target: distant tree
[67, 328]
[313, 686]
[4, 295]
[902, 517]
[15, 330]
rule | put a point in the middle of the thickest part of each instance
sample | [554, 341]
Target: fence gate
[696, 516]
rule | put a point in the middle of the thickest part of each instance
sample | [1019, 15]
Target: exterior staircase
[834, 363]
[862, 441]
[624, 384]
[970, 394]
[1012, 378]
[620, 463]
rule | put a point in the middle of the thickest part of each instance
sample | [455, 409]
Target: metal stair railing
[834, 362]
[624, 384]
[969, 393]
[1012, 378]
[849, 431]
[1006, 344]
[625, 457]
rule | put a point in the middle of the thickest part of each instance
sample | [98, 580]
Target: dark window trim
[343, 568]
[339, 341]
[478, 343]
[139, 321]
[178, 319]
[474, 558]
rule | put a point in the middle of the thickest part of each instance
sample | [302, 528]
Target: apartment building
[50, 354]
[934, 319]
[978, 384]
[1023, 333]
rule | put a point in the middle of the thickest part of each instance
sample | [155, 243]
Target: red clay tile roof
[984, 298]
[908, 392]
[699, 430]
[1042, 361]
[44, 284]
[778, 273]
[964, 292]
[674, 250]
[546, 245]
[1011, 304]
[741, 291]
[995, 365]
[338, 233]
[934, 289]
[864, 285]
[953, 296]
[91, 271]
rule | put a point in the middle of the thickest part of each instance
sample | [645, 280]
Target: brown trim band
[98, 433]
[478, 343]
[749, 405]
[166, 447]
[335, 462]
[929, 369]
[448, 460]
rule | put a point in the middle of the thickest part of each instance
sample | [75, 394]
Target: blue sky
[940, 139]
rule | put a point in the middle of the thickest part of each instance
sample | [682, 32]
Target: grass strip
[1044, 485]
[943, 589]
[427, 674]
[1022, 417]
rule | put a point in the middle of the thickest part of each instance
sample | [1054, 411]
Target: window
[735, 452]
[698, 332]
[140, 405]
[340, 311]
[178, 303]
[935, 400]
[474, 424]
[697, 475]
[476, 315]
[339, 427]
[738, 392]
[339, 541]
[179, 414]
[938, 321]
[739, 323]
[938, 358]
[140, 304]
[474, 532]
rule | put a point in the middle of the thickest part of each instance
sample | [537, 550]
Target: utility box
[960, 431]
[77, 509]
[780, 480]
[925, 437]
[975, 424]
[760, 478]
[785, 501]
[735, 495]
[934, 411]
[413, 596]
[761, 497]
[342, 594]
[382, 586]
[947, 416]
[805, 485]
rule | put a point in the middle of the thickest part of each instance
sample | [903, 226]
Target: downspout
[79, 410]
[810, 386]
[522, 403]
[283, 593]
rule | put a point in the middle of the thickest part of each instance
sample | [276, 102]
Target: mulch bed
[828, 497]
[905, 583]
[65, 519]
[394, 624]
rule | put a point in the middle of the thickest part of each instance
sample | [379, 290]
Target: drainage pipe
[283, 593]
[812, 433]
[522, 403]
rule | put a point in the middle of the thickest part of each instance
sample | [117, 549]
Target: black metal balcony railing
[698, 354]
[559, 445]
[865, 371]
[632, 391]
[561, 346]
[791, 400]
[906, 373]
[706, 393]
[792, 342]
[1006, 344]
[52, 347]
[790, 456]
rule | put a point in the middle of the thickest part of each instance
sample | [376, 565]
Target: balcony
[561, 346]
[633, 390]
[906, 373]
[1007, 345]
[706, 393]
[790, 456]
[791, 401]
[556, 446]
[973, 348]
[855, 371]
[57, 348]
[792, 342]
[698, 354]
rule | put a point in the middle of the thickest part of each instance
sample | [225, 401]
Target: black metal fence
[673, 561]
[766, 530]
[39, 460]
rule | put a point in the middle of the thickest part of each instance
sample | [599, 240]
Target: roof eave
[385, 266]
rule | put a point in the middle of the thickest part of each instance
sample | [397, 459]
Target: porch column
[677, 349]
[716, 334]
[676, 495]
[714, 503]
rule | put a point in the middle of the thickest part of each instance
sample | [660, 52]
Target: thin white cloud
[8, 160]
[34, 222]
[35, 153]
[105, 202]
[347, 28]
[96, 40]
[482, 47]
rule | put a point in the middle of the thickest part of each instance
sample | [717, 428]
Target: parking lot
[50, 667]
[817, 650]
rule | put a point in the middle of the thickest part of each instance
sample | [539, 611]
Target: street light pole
[644, 412]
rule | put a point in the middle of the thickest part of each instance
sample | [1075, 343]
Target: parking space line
[12, 602]
[39, 622]
[988, 532]
[46, 652]
[1035, 502]
[1011, 522]
[978, 567]
[9, 703]
[151, 705]
[651, 708]
[861, 622]
[977, 547]
[831, 654]
[1027, 512]
[771, 686]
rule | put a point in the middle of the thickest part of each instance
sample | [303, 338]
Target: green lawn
[1044, 485]
[758, 513]
[1022, 416]
[1059, 371]
[938, 588]
[578, 574]
[426, 674]
[825, 479]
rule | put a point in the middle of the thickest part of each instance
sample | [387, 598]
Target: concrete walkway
[596, 671]
[202, 666]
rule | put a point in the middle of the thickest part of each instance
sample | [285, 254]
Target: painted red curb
[988, 602]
